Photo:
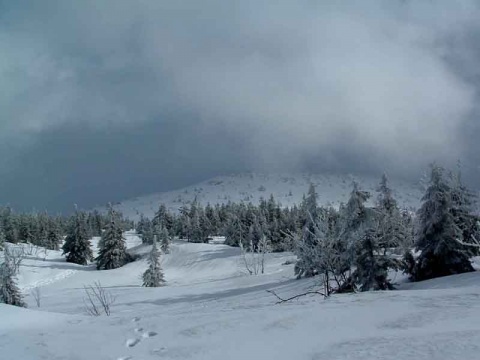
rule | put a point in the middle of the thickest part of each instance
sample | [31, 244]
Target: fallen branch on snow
[282, 300]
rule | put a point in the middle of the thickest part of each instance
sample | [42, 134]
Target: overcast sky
[105, 100]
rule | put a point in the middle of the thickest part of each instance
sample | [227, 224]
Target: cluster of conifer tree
[243, 222]
[352, 247]
[355, 246]
[49, 232]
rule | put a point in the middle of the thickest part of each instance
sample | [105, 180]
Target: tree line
[352, 248]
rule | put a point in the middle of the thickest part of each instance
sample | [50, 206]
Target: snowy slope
[287, 188]
[212, 310]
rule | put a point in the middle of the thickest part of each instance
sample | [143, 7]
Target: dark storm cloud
[108, 99]
[88, 166]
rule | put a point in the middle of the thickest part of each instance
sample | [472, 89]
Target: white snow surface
[288, 189]
[211, 309]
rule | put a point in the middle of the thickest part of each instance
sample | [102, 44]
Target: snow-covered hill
[212, 310]
[287, 188]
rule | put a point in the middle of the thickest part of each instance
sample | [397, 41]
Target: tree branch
[282, 300]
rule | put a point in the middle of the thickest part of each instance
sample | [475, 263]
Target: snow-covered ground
[288, 189]
[212, 310]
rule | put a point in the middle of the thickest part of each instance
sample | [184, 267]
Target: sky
[105, 100]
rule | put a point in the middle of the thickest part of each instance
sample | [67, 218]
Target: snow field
[211, 309]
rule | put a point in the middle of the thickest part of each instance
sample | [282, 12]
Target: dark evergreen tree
[391, 229]
[54, 235]
[10, 226]
[112, 251]
[353, 224]
[42, 230]
[77, 247]
[371, 272]
[26, 231]
[163, 218]
[440, 252]
[2, 237]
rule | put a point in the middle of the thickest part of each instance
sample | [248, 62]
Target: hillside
[210, 309]
[287, 188]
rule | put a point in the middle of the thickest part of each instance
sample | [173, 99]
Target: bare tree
[30, 249]
[36, 294]
[264, 247]
[254, 261]
[15, 255]
[98, 300]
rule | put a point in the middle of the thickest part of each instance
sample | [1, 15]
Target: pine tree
[164, 239]
[9, 292]
[10, 226]
[305, 265]
[77, 245]
[2, 237]
[145, 230]
[463, 203]
[353, 220]
[372, 266]
[112, 253]
[163, 218]
[153, 276]
[390, 229]
[437, 234]
[385, 198]
[42, 230]
[26, 231]
[195, 229]
[54, 237]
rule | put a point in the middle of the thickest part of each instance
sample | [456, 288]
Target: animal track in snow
[125, 358]
[149, 334]
[132, 342]
[136, 319]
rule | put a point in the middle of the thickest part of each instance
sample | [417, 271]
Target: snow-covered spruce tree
[77, 247]
[353, 223]
[113, 252]
[326, 257]
[437, 234]
[163, 218]
[463, 203]
[305, 265]
[2, 238]
[372, 264]
[9, 292]
[235, 231]
[11, 226]
[195, 230]
[145, 229]
[164, 239]
[153, 276]
[391, 230]
[42, 227]
[26, 231]
[54, 236]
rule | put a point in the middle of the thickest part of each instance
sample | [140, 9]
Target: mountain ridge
[287, 188]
